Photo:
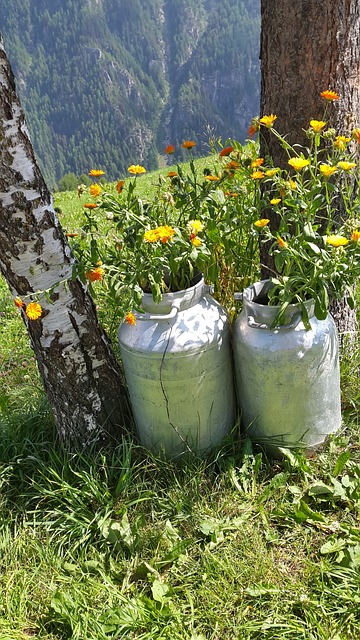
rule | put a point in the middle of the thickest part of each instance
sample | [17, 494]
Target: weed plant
[119, 544]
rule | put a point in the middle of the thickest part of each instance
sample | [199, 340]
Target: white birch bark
[81, 376]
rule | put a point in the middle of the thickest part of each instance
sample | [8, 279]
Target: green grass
[117, 543]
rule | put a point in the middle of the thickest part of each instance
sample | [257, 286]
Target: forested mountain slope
[108, 83]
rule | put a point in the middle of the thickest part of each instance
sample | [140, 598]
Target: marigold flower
[226, 151]
[330, 95]
[268, 121]
[172, 174]
[327, 170]
[340, 142]
[257, 175]
[170, 149]
[19, 303]
[196, 225]
[165, 233]
[233, 164]
[71, 235]
[196, 241]
[271, 172]
[119, 186]
[257, 163]
[90, 205]
[95, 190]
[355, 236]
[130, 319]
[298, 163]
[188, 144]
[151, 235]
[282, 244]
[355, 134]
[253, 128]
[212, 178]
[292, 184]
[346, 166]
[231, 194]
[96, 173]
[337, 240]
[317, 125]
[275, 201]
[33, 310]
[94, 274]
[261, 223]
[136, 169]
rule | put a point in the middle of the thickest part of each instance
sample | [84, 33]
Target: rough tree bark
[305, 49]
[81, 376]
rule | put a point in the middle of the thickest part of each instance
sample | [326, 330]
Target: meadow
[117, 543]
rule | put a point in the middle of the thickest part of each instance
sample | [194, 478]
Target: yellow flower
[96, 173]
[292, 184]
[257, 163]
[261, 223]
[282, 244]
[94, 274]
[346, 166]
[327, 170]
[95, 190]
[355, 236]
[298, 163]
[268, 121]
[151, 235]
[337, 241]
[257, 175]
[355, 134]
[341, 142]
[130, 319]
[211, 178]
[271, 172]
[196, 241]
[275, 201]
[136, 169]
[329, 95]
[317, 125]
[165, 233]
[33, 310]
[195, 225]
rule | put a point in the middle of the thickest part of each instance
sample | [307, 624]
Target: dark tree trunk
[305, 49]
[81, 376]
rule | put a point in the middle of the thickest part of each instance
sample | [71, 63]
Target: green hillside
[109, 83]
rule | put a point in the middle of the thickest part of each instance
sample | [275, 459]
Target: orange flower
[257, 163]
[257, 175]
[226, 151]
[169, 149]
[95, 274]
[232, 165]
[172, 174]
[254, 127]
[33, 311]
[130, 319]
[90, 205]
[120, 185]
[355, 236]
[19, 303]
[188, 144]
[95, 190]
[196, 241]
[355, 134]
[282, 244]
[71, 235]
[96, 173]
[231, 194]
[329, 95]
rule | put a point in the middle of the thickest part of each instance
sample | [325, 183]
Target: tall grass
[118, 543]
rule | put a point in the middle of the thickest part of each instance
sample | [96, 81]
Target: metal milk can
[288, 379]
[178, 368]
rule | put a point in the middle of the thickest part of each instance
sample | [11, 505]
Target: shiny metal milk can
[178, 367]
[287, 378]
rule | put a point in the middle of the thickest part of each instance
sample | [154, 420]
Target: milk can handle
[161, 316]
[290, 325]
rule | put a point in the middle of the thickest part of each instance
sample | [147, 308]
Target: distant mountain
[109, 83]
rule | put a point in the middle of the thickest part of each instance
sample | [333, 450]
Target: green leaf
[159, 591]
[341, 462]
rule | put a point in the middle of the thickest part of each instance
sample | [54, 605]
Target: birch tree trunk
[305, 49]
[81, 376]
